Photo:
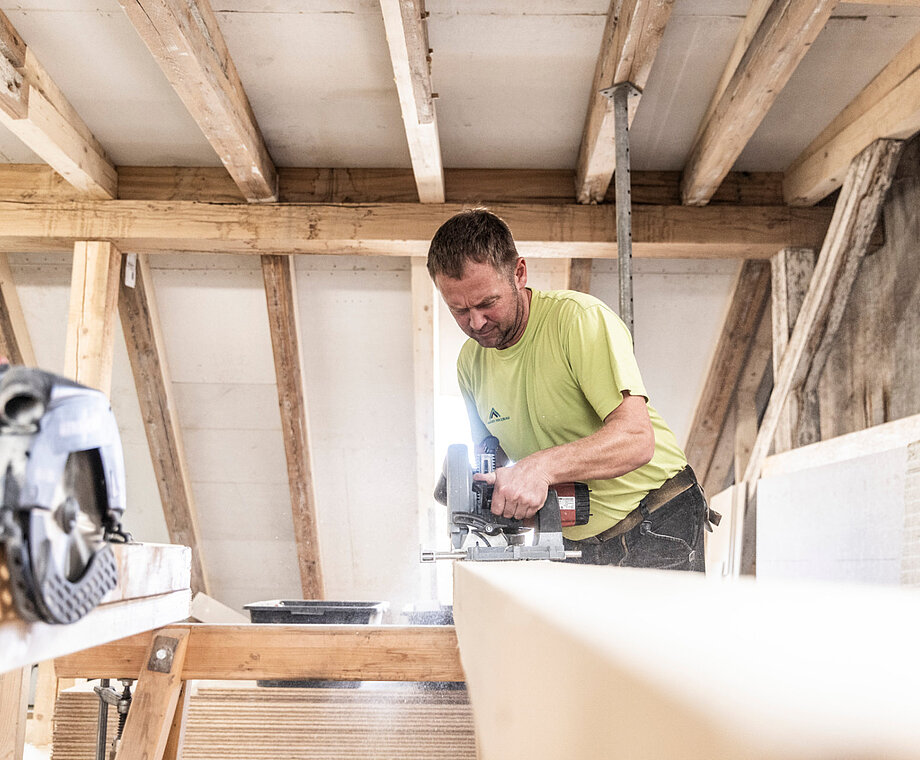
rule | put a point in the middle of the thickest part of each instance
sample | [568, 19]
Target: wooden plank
[140, 323]
[580, 275]
[407, 36]
[425, 363]
[91, 314]
[14, 698]
[34, 182]
[185, 40]
[40, 728]
[890, 435]
[24, 643]
[631, 38]
[290, 652]
[176, 739]
[284, 325]
[15, 343]
[34, 109]
[791, 270]
[155, 698]
[855, 217]
[888, 107]
[541, 230]
[780, 700]
[749, 381]
[780, 42]
[746, 307]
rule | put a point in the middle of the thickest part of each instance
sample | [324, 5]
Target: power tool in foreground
[62, 480]
[477, 534]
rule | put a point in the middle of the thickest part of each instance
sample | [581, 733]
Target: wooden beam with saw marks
[407, 36]
[632, 35]
[284, 325]
[185, 40]
[783, 37]
[140, 323]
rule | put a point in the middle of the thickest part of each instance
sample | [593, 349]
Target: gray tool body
[62, 480]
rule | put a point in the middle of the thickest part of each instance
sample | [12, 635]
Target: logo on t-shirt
[494, 416]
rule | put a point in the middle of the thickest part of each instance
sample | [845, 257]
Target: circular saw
[62, 481]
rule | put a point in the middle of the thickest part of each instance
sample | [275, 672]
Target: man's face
[488, 306]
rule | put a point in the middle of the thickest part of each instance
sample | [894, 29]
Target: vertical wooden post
[15, 343]
[46, 691]
[91, 317]
[14, 694]
[580, 275]
[176, 738]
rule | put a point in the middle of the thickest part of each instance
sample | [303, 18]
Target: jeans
[671, 538]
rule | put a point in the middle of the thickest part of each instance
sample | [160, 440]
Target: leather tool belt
[655, 500]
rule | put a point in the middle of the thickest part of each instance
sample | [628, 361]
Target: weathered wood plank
[580, 275]
[780, 42]
[746, 307]
[155, 698]
[91, 315]
[749, 380]
[542, 230]
[632, 35]
[185, 40]
[14, 698]
[888, 107]
[855, 217]
[140, 322]
[290, 652]
[283, 320]
[407, 37]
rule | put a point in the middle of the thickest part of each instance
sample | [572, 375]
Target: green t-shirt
[556, 385]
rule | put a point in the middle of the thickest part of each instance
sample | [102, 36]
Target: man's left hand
[519, 491]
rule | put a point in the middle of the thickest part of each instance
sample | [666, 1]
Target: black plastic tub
[316, 612]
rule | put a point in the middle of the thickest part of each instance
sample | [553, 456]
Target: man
[552, 375]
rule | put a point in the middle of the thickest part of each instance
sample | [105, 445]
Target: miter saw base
[63, 495]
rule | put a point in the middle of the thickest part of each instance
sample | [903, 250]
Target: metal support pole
[620, 94]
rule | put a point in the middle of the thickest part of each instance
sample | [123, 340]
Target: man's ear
[520, 274]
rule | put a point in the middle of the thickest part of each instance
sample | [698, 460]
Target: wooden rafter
[91, 315]
[580, 275]
[632, 35]
[283, 321]
[15, 343]
[855, 217]
[186, 42]
[140, 322]
[783, 37]
[888, 107]
[542, 230]
[34, 109]
[746, 307]
[407, 36]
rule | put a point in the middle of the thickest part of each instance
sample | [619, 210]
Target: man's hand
[519, 491]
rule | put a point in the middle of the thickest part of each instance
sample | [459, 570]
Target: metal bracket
[161, 657]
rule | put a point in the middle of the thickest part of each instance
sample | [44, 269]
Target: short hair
[475, 234]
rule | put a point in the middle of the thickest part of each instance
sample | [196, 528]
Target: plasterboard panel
[215, 324]
[246, 570]
[230, 456]
[43, 285]
[827, 82]
[263, 508]
[106, 72]
[848, 520]
[320, 83]
[227, 406]
[513, 86]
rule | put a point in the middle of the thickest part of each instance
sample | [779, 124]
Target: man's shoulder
[567, 304]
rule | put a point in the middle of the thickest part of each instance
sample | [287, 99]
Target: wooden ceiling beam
[34, 109]
[284, 325]
[632, 35]
[888, 107]
[184, 38]
[782, 38]
[855, 217]
[403, 229]
[407, 36]
[140, 322]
